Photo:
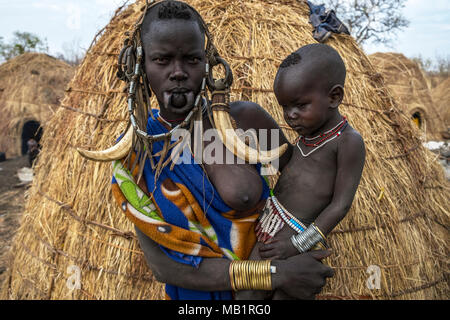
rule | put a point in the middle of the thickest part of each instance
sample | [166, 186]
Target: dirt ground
[12, 199]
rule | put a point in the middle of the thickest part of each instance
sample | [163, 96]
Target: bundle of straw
[441, 98]
[409, 85]
[31, 87]
[72, 222]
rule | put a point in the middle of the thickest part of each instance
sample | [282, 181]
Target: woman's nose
[178, 74]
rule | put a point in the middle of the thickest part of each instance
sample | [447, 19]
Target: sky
[74, 23]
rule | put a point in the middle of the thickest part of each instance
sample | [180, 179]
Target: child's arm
[350, 163]
[351, 156]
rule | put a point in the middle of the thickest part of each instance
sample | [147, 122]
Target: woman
[197, 226]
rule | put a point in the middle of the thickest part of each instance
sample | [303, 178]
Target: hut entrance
[417, 119]
[31, 129]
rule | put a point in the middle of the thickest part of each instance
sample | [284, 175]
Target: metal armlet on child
[309, 239]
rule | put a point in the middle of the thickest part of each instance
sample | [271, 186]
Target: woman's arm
[211, 275]
[301, 276]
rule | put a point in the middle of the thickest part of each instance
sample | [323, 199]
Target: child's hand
[278, 249]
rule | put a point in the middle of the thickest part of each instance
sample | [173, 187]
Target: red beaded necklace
[325, 135]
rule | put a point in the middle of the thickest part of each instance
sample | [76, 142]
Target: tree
[22, 42]
[73, 52]
[443, 65]
[374, 20]
[440, 66]
[426, 64]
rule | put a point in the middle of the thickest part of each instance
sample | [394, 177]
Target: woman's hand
[302, 276]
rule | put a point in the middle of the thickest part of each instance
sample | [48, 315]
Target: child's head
[309, 86]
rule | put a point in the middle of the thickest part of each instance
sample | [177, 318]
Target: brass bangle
[230, 272]
[250, 275]
[319, 231]
[321, 245]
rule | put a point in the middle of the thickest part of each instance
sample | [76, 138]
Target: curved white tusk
[233, 143]
[116, 152]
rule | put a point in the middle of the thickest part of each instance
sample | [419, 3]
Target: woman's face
[175, 63]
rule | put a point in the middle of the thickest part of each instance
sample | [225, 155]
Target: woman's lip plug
[178, 100]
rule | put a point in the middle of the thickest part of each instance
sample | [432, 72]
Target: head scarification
[167, 10]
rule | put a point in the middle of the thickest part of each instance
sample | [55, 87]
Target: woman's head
[173, 38]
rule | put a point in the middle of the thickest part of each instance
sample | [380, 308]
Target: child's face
[305, 102]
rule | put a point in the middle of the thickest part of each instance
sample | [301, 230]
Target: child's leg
[253, 294]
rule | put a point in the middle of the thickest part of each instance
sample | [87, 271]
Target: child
[317, 186]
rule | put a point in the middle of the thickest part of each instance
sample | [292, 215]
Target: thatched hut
[441, 97]
[73, 228]
[409, 85]
[31, 86]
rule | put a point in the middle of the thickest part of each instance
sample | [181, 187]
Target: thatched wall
[441, 98]
[71, 218]
[409, 85]
[31, 86]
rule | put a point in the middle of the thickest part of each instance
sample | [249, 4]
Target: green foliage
[22, 42]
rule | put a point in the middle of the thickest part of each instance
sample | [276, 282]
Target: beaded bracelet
[251, 275]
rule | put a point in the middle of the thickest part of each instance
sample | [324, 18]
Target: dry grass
[409, 85]
[441, 98]
[31, 86]
[71, 218]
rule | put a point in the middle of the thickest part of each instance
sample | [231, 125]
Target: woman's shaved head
[167, 10]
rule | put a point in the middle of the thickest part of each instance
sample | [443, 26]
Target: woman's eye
[194, 60]
[160, 60]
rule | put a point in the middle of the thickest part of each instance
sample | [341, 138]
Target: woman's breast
[239, 185]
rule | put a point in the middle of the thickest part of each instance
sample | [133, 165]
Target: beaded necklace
[326, 137]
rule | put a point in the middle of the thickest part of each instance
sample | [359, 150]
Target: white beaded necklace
[316, 148]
